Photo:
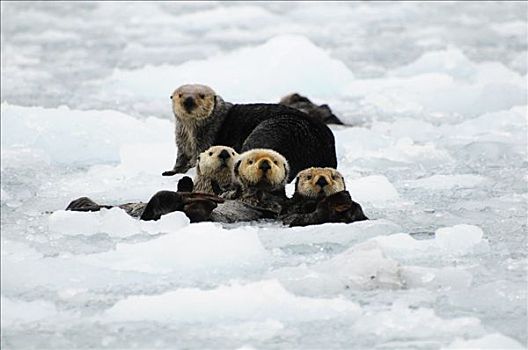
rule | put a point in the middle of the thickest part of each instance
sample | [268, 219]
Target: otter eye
[276, 163]
[210, 154]
[180, 95]
[334, 177]
[202, 95]
[233, 153]
[170, 97]
[250, 161]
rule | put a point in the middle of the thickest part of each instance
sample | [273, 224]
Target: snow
[434, 150]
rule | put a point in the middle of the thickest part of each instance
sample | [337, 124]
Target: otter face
[262, 168]
[319, 182]
[193, 102]
[216, 162]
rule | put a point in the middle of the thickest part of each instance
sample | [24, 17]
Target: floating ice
[490, 341]
[375, 189]
[327, 233]
[448, 241]
[20, 312]
[77, 137]
[441, 81]
[353, 269]
[197, 251]
[115, 222]
[402, 322]
[280, 66]
[256, 301]
[445, 182]
[358, 143]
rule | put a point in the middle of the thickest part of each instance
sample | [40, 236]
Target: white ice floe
[256, 301]
[114, 222]
[441, 82]
[401, 322]
[446, 182]
[21, 312]
[273, 69]
[327, 233]
[375, 189]
[448, 241]
[196, 251]
[490, 341]
[77, 137]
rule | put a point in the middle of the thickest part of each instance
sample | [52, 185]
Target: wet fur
[304, 141]
[302, 103]
[214, 175]
[313, 204]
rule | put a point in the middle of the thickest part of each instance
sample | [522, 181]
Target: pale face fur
[311, 182]
[193, 102]
[249, 168]
[216, 165]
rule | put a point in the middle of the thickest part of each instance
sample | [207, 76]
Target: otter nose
[188, 103]
[322, 182]
[224, 155]
[264, 166]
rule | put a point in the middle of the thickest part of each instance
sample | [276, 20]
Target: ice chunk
[115, 222]
[402, 322]
[365, 269]
[458, 238]
[441, 82]
[358, 143]
[448, 241]
[69, 136]
[198, 251]
[19, 312]
[256, 301]
[445, 182]
[490, 341]
[271, 70]
[443, 278]
[375, 189]
[327, 233]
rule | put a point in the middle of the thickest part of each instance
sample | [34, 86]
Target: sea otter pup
[320, 197]
[261, 175]
[203, 119]
[214, 170]
[302, 103]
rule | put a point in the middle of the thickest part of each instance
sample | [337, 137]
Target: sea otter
[186, 199]
[302, 103]
[320, 197]
[261, 176]
[214, 170]
[203, 119]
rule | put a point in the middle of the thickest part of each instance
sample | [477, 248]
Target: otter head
[193, 102]
[319, 182]
[216, 163]
[262, 169]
